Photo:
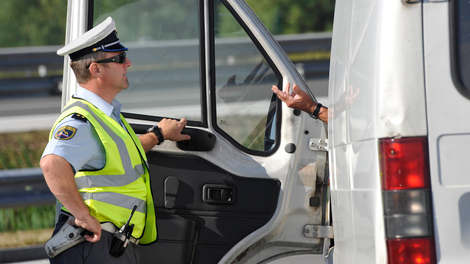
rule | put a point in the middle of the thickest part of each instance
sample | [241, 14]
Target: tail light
[406, 189]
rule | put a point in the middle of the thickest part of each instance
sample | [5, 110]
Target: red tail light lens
[411, 251]
[404, 163]
[404, 166]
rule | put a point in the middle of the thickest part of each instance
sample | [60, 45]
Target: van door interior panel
[211, 208]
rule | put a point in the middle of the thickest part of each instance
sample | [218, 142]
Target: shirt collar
[99, 102]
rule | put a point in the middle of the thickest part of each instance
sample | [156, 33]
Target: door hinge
[318, 144]
[316, 231]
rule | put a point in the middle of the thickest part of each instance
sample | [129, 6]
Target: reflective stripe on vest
[112, 192]
[117, 199]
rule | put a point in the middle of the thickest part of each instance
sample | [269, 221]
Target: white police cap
[103, 37]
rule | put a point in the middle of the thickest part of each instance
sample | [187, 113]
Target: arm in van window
[300, 100]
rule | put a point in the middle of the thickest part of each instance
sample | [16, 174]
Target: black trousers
[95, 253]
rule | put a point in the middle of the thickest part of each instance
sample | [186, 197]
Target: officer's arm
[60, 180]
[171, 130]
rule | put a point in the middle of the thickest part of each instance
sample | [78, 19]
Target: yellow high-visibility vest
[112, 192]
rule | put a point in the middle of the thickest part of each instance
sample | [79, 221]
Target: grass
[27, 218]
[24, 238]
[22, 150]
[24, 226]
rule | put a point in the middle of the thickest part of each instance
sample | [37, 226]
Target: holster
[67, 237]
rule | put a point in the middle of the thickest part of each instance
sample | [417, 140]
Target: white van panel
[366, 198]
[400, 80]
[384, 63]
[338, 73]
[345, 244]
[357, 204]
[448, 140]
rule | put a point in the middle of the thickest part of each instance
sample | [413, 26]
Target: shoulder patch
[79, 117]
[65, 133]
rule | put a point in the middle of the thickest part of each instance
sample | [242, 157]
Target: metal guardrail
[34, 70]
[30, 70]
[24, 187]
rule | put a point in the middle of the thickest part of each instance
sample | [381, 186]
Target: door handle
[200, 140]
[219, 194]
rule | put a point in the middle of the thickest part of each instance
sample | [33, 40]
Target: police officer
[94, 163]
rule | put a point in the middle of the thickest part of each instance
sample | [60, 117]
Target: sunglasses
[121, 58]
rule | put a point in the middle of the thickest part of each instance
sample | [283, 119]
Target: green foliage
[280, 16]
[156, 20]
[225, 23]
[27, 218]
[32, 22]
[294, 16]
[42, 22]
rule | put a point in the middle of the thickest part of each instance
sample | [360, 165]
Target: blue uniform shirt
[83, 148]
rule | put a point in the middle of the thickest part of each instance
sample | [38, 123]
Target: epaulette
[79, 117]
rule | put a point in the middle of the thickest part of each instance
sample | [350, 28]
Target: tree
[32, 22]
[295, 16]
[42, 22]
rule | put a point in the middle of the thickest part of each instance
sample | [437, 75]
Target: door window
[163, 37]
[460, 14]
[245, 106]
[163, 41]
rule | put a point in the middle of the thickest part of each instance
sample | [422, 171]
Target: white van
[398, 152]
[254, 183]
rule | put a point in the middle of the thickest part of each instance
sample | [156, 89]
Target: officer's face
[115, 73]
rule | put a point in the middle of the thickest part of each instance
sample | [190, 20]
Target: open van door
[251, 184]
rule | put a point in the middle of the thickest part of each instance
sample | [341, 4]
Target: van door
[251, 184]
[447, 93]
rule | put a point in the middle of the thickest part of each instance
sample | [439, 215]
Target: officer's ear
[95, 69]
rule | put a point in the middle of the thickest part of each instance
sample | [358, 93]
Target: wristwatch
[314, 115]
[156, 130]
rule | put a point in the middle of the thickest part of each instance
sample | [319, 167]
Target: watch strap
[156, 130]
[316, 111]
